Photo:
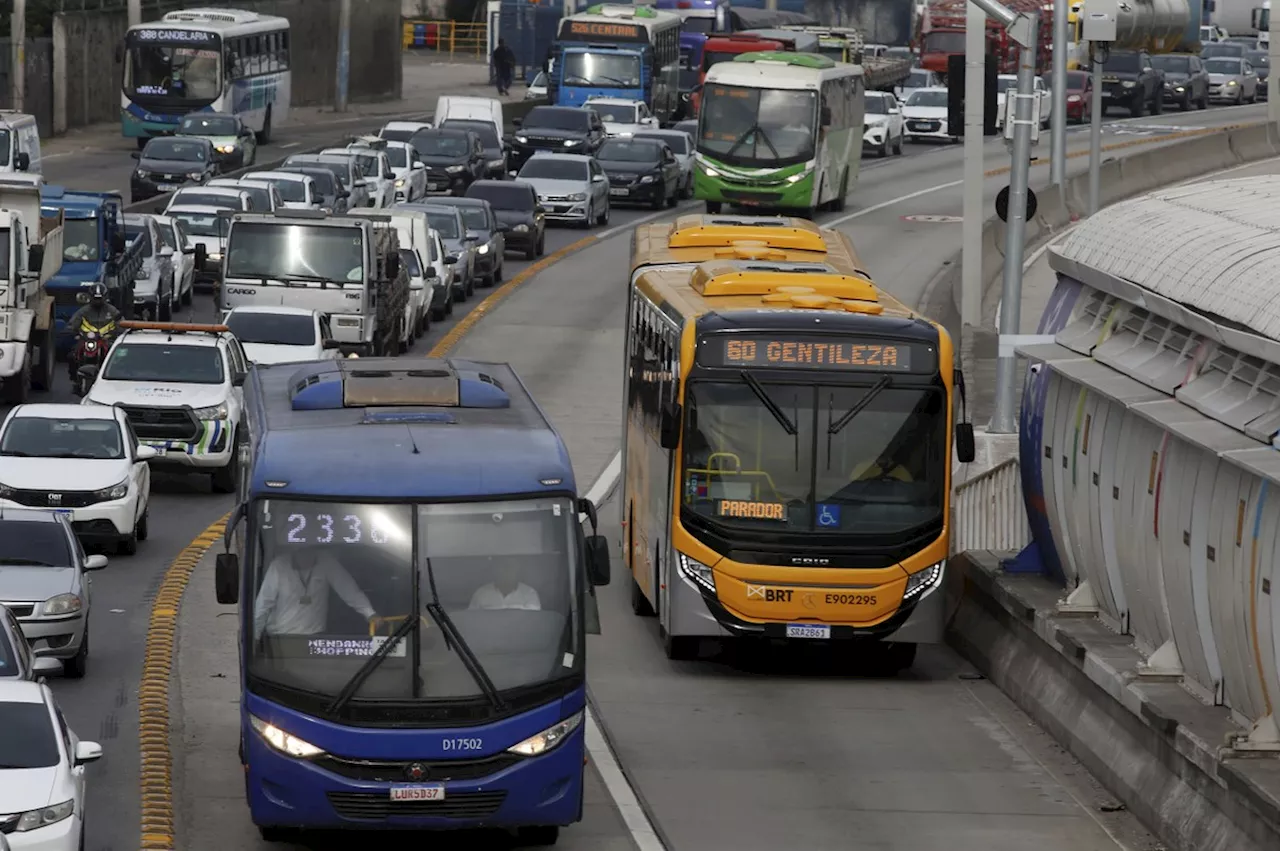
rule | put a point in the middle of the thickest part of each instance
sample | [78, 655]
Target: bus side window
[284, 50]
[270, 56]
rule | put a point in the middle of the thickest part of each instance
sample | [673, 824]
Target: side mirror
[35, 258]
[669, 436]
[22, 161]
[137, 155]
[145, 453]
[95, 562]
[46, 665]
[517, 122]
[450, 259]
[964, 443]
[87, 752]
[597, 554]
[226, 578]
[419, 164]
[202, 254]
[166, 251]
[88, 372]
[117, 242]
[361, 183]
[473, 236]
[893, 110]
[237, 380]
[598, 178]
[328, 345]
[826, 116]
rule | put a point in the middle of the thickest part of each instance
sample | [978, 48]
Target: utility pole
[1095, 125]
[18, 38]
[135, 12]
[1058, 126]
[975, 72]
[344, 56]
[1273, 49]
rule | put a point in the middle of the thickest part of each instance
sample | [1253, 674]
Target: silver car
[681, 144]
[1231, 80]
[43, 581]
[571, 187]
[155, 291]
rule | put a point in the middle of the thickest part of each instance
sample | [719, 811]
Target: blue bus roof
[400, 429]
[75, 202]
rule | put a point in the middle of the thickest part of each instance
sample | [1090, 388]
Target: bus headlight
[284, 742]
[548, 738]
[697, 573]
[796, 178]
[924, 581]
[708, 170]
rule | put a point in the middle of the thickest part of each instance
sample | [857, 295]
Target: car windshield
[877, 105]
[176, 149]
[1076, 80]
[1223, 49]
[486, 131]
[558, 118]
[607, 70]
[164, 363]
[1174, 64]
[1258, 58]
[209, 125]
[433, 143]
[757, 127]
[678, 142]
[474, 218]
[332, 580]
[503, 196]
[133, 232]
[409, 259]
[80, 240]
[33, 544]
[553, 168]
[173, 72]
[927, 97]
[615, 113]
[627, 151]
[290, 190]
[27, 739]
[881, 473]
[397, 156]
[47, 437]
[445, 224]
[200, 224]
[196, 198]
[272, 329]
[271, 250]
[1123, 63]
[917, 80]
[167, 237]
[1223, 66]
[324, 179]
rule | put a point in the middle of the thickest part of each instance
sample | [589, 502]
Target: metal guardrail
[989, 513]
[452, 38]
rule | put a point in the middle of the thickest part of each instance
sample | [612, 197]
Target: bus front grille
[430, 771]
[377, 806]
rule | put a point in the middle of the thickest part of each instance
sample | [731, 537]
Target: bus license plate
[417, 793]
[808, 630]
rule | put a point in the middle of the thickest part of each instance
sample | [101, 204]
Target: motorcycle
[90, 350]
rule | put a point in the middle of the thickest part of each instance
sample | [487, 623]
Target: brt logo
[769, 595]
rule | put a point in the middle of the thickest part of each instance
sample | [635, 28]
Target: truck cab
[33, 253]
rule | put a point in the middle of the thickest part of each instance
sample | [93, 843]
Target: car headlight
[496, 163]
[63, 604]
[1232, 83]
[142, 175]
[455, 169]
[522, 139]
[1073, 98]
[119, 491]
[226, 149]
[578, 196]
[1129, 84]
[400, 183]
[569, 143]
[1180, 89]
[214, 256]
[550, 737]
[197, 175]
[286, 743]
[697, 572]
[45, 816]
[924, 581]
[648, 178]
[484, 249]
[521, 229]
[213, 412]
[796, 178]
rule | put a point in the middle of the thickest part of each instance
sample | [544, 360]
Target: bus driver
[294, 597]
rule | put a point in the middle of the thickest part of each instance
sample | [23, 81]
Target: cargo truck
[33, 246]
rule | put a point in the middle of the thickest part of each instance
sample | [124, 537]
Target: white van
[19, 142]
[454, 107]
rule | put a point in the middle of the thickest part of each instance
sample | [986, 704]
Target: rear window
[324, 180]
[278, 329]
[502, 197]
[135, 231]
[27, 739]
[486, 131]
[33, 544]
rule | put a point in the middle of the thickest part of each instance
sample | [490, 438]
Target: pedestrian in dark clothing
[504, 66]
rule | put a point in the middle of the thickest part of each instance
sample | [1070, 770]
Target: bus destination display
[175, 36]
[815, 352]
[592, 31]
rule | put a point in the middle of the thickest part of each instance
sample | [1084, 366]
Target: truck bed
[883, 73]
[51, 238]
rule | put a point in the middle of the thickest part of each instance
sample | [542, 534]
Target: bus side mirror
[23, 161]
[597, 560]
[964, 442]
[670, 427]
[117, 243]
[226, 578]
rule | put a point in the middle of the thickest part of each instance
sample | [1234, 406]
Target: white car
[885, 130]
[182, 391]
[925, 115]
[410, 172]
[280, 334]
[265, 195]
[174, 234]
[442, 297]
[537, 86]
[83, 462]
[622, 117]
[225, 197]
[918, 79]
[375, 171]
[1009, 82]
[203, 226]
[298, 191]
[681, 144]
[42, 771]
[402, 131]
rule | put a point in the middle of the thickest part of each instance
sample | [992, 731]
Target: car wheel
[438, 314]
[531, 253]
[76, 667]
[899, 148]
[674, 197]
[471, 284]
[226, 478]
[189, 292]
[140, 530]
[542, 244]
[604, 217]
[884, 148]
[128, 545]
[660, 200]
[590, 217]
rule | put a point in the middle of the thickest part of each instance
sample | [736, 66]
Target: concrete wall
[38, 99]
[87, 68]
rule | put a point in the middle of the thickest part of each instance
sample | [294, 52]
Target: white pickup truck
[33, 251]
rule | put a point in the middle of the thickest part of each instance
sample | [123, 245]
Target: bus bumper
[293, 793]
[758, 192]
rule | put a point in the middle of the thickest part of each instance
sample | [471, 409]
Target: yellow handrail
[448, 37]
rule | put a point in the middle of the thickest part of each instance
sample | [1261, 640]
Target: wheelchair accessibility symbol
[828, 515]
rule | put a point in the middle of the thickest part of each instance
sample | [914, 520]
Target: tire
[899, 149]
[42, 377]
[264, 136]
[531, 253]
[892, 658]
[164, 312]
[17, 389]
[674, 197]
[604, 217]
[540, 836]
[128, 545]
[1157, 104]
[1186, 104]
[226, 478]
[471, 283]
[640, 606]
[1204, 101]
[542, 244]
[438, 314]
[190, 293]
[497, 273]
[838, 203]
[680, 648]
[140, 530]
[714, 207]
[883, 150]
[590, 217]
[660, 200]
[78, 665]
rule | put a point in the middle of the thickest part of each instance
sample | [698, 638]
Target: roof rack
[799, 289]
[717, 231]
[174, 327]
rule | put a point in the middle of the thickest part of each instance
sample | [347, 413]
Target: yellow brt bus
[787, 441]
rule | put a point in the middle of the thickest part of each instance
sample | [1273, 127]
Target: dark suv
[563, 129]
[1186, 82]
[520, 216]
[1129, 80]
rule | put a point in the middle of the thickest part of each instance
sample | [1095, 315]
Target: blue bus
[618, 51]
[414, 578]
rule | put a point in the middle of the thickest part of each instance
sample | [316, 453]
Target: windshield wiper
[837, 426]
[753, 130]
[454, 637]
[371, 664]
[23, 562]
[770, 405]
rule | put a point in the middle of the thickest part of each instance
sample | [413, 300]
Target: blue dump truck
[95, 249]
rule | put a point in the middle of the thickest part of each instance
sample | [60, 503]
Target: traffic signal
[955, 96]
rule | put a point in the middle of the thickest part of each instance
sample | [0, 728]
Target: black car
[168, 163]
[495, 153]
[1261, 62]
[515, 203]
[454, 158]
[1131, 82]
[234, 144]
[640, 171]
[333, 197]
[491, 245]
[565, 129]
[1186, 82]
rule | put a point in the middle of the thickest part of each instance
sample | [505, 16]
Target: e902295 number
[851, 599]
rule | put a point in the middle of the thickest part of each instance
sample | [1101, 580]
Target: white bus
[205, 60]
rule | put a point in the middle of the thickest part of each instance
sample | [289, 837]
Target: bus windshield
[883, 472]
[605, 70]
[758, 127]
[331, 581]
[173, 65]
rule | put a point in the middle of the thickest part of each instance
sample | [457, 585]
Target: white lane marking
[291, 145]
[614, 231]
[830, 223]
[619, 787]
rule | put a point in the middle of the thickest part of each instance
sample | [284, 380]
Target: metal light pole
[18, 38]
[975, 49]
[344, 56]
[1025, 113]
[1058, 128]
[1273, 49]
[135, 12]
[1095, 129]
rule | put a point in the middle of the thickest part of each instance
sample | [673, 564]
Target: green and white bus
[779, 130]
